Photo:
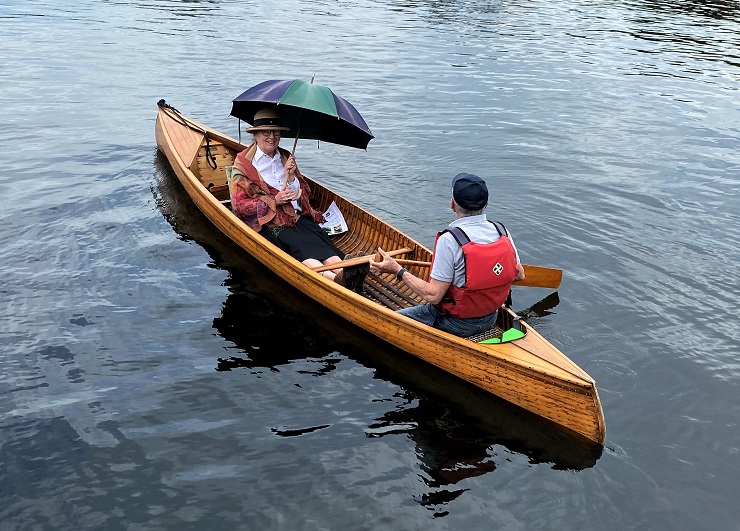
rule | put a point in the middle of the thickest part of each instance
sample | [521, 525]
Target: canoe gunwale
[491, 367]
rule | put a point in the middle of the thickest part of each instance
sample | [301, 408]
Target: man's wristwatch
[400, 273]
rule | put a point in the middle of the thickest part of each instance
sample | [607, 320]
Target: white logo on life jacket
[498, 269]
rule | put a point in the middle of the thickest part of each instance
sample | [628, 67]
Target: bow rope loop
[209, 156]
[179, 118]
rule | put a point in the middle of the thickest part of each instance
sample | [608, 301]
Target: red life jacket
[490, 268]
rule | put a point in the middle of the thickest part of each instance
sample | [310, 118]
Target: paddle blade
[540, 277]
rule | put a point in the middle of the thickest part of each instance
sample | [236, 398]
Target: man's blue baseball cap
[469, 191]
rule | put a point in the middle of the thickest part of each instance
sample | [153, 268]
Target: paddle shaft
[535, 276]
[358, 260]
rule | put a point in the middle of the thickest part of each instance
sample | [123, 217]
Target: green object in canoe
[509, 335]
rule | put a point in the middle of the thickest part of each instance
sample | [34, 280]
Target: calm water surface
[154, 377]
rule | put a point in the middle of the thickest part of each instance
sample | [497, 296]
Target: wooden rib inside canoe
[529, 372]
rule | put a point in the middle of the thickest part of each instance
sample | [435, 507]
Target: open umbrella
[310, 111]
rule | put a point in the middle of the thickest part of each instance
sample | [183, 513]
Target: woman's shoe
[339, 278]
[362, 271]
[352, 277]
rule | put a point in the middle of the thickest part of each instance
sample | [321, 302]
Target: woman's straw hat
[267, 119]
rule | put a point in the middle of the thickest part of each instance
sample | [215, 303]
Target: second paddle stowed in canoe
[527, 371]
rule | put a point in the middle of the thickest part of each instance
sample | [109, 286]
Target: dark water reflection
[156, 378]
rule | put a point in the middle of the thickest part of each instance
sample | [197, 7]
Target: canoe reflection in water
[455, 426]
[449, 450]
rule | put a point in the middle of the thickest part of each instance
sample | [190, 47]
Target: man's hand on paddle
[386, 265]
[431, 290]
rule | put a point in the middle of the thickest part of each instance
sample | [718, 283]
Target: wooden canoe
[528, 372]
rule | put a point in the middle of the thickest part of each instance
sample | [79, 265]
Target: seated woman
[270, 195]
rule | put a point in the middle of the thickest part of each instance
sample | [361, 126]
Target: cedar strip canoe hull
[529, 372]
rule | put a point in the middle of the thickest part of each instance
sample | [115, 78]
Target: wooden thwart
[412, 262]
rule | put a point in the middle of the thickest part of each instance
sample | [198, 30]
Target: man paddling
[473, 266]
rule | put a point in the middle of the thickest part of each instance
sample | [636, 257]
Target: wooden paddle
[535, 276]
[358, 260]
[540, 277]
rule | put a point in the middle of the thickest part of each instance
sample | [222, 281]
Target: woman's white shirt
[271, 169]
